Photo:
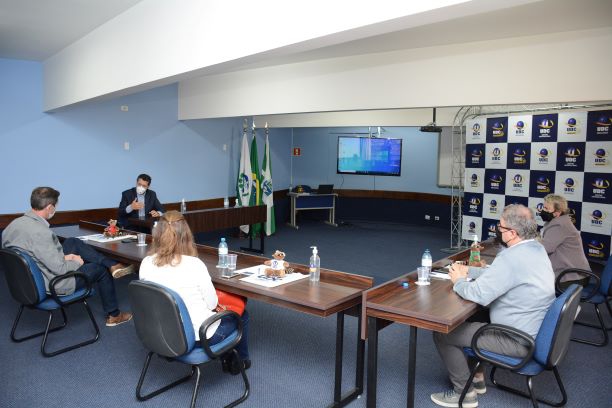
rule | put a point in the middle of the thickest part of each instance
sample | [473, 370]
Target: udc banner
[521, 159]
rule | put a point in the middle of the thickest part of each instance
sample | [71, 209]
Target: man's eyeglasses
[499, 227]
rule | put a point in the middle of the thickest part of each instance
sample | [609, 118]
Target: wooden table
[213, 219]
[435, 307]
[337, 293]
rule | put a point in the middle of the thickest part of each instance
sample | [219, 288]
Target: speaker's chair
[27, 286]
[165, 328]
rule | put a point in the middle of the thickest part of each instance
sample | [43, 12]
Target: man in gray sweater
[518, 288]
[31, 234]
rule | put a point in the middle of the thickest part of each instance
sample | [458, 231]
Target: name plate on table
[273, 281]
[102, 238]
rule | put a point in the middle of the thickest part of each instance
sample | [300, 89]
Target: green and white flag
[267, 191]
[245, 180]
[256, 177]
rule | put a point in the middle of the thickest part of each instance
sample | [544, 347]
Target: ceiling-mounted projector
[432, 128]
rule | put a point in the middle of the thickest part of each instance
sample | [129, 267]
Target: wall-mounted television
[369, 156]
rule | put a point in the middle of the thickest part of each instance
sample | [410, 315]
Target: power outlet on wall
[427, 217]
[437, 218]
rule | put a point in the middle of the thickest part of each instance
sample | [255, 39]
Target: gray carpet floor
[292, 353]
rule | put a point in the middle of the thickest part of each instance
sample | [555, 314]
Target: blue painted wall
[80, 152]
[319, 149]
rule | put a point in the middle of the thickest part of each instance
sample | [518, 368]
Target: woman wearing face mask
[562, 240]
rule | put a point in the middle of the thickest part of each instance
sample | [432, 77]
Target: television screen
[370, 156]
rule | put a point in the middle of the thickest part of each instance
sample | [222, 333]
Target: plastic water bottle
[222, 254]
[426, 260]
[315, 265]
[226, 202]
[183, 206]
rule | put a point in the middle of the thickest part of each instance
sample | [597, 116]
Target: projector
[431, 128]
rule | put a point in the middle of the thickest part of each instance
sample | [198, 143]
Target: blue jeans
[227, 327]
[96, 269]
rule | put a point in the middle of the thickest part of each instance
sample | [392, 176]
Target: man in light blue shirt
[518, 288]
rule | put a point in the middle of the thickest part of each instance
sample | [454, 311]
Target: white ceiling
[37, 29]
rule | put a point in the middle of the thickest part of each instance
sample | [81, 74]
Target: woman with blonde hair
[173, 262]
[562, 240]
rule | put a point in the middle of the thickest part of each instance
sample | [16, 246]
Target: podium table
[308, 201]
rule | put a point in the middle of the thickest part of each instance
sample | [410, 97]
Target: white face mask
[140, 190]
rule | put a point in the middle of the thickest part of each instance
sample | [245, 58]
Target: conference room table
[213, 219]
[435, 307]
[337, 293]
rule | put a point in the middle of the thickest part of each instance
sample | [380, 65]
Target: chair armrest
[591, 275]
[512, 332]
[53, 282]
[208, 322]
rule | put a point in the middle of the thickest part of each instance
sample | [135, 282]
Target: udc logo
[545, 126]
[519, 128]
[571, 126]
[571, 155]
[493, 206]
[518, 181]
[474, 182]
[472, 227]
[474, 203]
[569, 184]
[539, 208]
[596, 249]
[498, 129]
[597, 218]
[601, 157]
[476, 155]
[492, 228]
[497, 152]
[495, 181]
[543, 153]
[476, 129]
[520, 156]
[543, 184]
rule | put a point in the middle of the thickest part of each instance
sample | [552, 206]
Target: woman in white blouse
[173, 263]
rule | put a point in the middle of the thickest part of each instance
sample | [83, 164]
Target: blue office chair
[27, 286]
[164, 327]
[545, 352]
[597, 292]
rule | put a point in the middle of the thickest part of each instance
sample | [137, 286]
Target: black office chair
[597, 292]
[545, 353]
[27, 286]
[165, 328]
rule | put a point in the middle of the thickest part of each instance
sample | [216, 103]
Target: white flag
[245, 179]
[267, 191]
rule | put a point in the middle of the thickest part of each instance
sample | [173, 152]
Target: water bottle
[315, 265]
[426, 260]
[226, 202]
[183, 206]
[222, 254]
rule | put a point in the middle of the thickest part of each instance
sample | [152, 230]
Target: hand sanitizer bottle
[183, 206]
[315, 265]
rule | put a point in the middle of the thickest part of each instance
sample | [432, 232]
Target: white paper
[439, 275]
[271, 282]
[102, 238]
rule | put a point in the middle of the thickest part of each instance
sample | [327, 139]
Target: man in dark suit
[139, 201]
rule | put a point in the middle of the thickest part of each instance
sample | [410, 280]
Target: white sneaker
[450, 399]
